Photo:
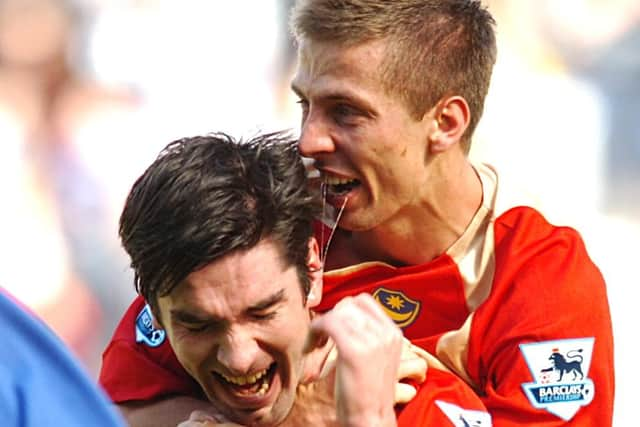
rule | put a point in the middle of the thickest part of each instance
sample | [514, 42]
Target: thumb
[404, 393]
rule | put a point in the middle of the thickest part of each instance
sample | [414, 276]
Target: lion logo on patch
[564, 366]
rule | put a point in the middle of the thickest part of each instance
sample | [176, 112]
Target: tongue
[247, 388]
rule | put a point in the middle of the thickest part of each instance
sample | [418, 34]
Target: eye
[343, 110]
[201, 327]
[196, 328]
[263, 316]
[344, 114]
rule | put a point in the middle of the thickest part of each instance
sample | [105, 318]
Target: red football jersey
[515, 307]
[443, 400]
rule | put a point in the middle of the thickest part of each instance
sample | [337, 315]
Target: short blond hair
[436, 48]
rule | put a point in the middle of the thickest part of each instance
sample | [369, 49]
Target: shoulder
[137, 326]
[525, 240]
[524, 225]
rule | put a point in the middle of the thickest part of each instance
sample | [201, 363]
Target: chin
[263, 417]
[356, 222]
[271, 414]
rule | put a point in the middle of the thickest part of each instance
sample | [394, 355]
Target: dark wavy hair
[207, 196]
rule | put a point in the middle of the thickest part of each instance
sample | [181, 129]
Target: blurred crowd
[90, 90]
[89, 93]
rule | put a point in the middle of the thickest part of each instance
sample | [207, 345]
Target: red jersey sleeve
[541, 346]
[443, 400]
[139, 363]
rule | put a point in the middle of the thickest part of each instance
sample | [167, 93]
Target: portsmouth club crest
[145, 331]
[560, 370]
[401, 309]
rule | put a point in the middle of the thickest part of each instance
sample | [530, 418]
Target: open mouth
[339, 186]
[247, 386]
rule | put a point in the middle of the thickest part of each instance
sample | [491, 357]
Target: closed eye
[196, 328]
[262, 317]
[267, 309]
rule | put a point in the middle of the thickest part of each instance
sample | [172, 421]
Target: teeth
[334, 180]
[263, 389]
[245, 379]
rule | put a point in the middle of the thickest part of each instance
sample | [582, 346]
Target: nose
[315, 136]
[237, 351]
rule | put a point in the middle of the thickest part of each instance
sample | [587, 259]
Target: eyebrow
[340, 97]
[331, 96]
[189, 317]
[268, 302]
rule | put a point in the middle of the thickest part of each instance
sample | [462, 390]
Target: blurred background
[91, 90]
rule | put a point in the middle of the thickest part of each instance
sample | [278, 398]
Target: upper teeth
[334, 180]
[245, 379]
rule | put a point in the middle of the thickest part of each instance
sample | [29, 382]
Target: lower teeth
[263, 388]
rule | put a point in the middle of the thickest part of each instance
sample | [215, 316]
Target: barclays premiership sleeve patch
[145, 332]
[560, 371]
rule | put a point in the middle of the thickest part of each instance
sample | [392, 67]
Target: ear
[156, 323]
[314, 272]
[155, 318]
[450, 120]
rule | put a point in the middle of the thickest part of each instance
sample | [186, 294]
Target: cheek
[290, 334]
[191, 351]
